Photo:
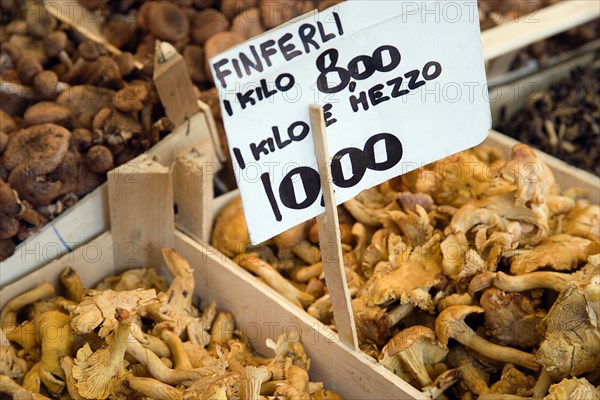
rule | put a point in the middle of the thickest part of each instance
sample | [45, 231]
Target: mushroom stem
[253, 379]
[64, 58]
[450, 324]
[400, 312]
[496, 352]
[156, 367]
[72, 284]
[304, 274]
[27, 92]
[12, 388]
[31, 380]
[157, 346]
[556, 281]
[154, 389]
[66, 363]
[8, 317]
[180, 357]
[307, 252]
[543, 384]
[19, 90]
[222, 330]
[267, 273]
[441, 383]
[23, 335]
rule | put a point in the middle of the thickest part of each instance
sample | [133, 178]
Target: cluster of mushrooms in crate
[564, 120]
[476, 274]
[134, 336]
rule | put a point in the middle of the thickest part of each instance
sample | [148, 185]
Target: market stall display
[471, 234]
[475, 277]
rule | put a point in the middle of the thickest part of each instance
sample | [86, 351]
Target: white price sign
[402, 84]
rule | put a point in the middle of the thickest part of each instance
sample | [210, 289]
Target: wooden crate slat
[549, 21]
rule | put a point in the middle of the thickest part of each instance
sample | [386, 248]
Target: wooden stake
[536, 26]
[329, 237]
[142, 220]
[174, 84]
[193, 174]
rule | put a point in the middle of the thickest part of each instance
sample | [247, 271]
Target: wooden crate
[89, 217]
[260, 312]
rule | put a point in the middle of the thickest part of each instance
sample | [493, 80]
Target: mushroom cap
[9, 203]
[37, 190]
[166, 21]
[46, 112]
[90, 50]
[54, 43]
[207, 23]
[194, 58]
[451, 321]
[3, 141]
[408, 337]
[28, 67]
[131, 97]
[292, 236]
[220, 42]
[40, 147]
[217, 44]
[99, 159]
[7, 123]
[7, 248]
[230, 233]
[85, 102]
[248, 24]
[9, 226]
[45, 84]
[231, 8]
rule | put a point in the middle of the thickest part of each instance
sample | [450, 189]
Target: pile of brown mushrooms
[564, 120]
[132, 337]
[69, 112]
[475, 277]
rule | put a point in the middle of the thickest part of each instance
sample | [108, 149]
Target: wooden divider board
[89, 217]
[142, 218]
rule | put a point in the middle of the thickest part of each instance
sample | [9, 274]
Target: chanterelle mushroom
[96, 372]
[572, 335]
[230, 234]
[10, 365]
[416, 349]
[174, 310]
[573, 389]
[450, 324]
[98, 309]
[416, 272]
[560, 253]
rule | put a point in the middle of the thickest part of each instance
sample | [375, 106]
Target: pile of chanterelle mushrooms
[132, 337]
[474, 276]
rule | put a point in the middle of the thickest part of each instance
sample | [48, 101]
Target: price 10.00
[360, 160]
